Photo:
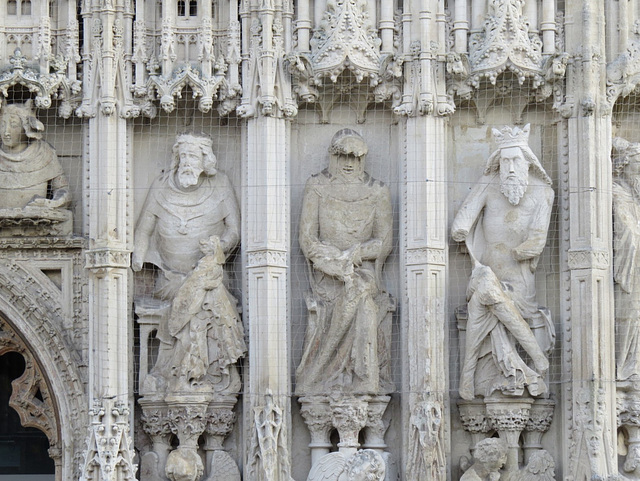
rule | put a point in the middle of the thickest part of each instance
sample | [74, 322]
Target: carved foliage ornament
[30, 395]
[46, 85]
[346, 39]
[110, 447]
[506, 44]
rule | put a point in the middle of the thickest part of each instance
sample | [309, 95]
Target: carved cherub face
[191, 165]
[12, 133]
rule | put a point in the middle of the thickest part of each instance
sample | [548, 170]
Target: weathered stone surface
[504, 222]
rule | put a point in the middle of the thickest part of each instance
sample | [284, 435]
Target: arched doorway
[24, 451]
[29, 425]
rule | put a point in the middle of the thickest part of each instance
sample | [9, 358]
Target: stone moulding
[506, 46]
[345, 42]
[46, 85]
[623, 73]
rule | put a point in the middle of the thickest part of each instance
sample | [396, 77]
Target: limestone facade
[296, 295]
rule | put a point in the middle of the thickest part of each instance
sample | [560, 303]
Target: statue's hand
[136, 262]
[460, 235]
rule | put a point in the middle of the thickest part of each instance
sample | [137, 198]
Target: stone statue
[504, 221]
[489, 455]
[34, 192]
[363, 465]
[346, 235]
[541, 467]
[626, 248]
[206, 326]
[189, 223]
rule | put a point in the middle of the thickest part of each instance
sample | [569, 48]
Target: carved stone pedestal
[188, 417]
[510, 418]
[349, 416]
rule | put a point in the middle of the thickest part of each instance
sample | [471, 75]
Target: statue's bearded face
[11, 131]
[349, 167]
[514, 174]
[191, 165]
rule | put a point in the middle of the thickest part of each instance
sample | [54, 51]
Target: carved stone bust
[34, 193]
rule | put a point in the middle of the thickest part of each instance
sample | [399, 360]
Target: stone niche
[184, 427]
[316, 419]
[525, 424]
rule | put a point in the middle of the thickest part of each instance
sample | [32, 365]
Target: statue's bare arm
[532, 247]
[470, 210]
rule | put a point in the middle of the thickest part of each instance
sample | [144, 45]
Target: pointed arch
[51, 389]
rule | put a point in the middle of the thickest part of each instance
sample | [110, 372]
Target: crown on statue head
[511, 137]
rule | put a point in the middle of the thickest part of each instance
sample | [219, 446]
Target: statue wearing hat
[346, 236]
[504, 221]
[34, 193]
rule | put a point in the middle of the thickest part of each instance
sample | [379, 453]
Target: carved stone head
[18, 124]
[491, 453]
[192, 157]
[184, 465]
[510, 140]
[365, 465]
[347, 154]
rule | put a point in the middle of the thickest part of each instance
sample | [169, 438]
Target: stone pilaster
[585, 209]
[265, 245]
[107, 224]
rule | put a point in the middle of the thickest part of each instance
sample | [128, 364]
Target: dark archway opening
[22, 450]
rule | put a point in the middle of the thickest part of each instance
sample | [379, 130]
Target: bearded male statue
[504, 221]
[189, 223]
[626, 243]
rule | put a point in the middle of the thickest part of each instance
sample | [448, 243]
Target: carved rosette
[349, 416]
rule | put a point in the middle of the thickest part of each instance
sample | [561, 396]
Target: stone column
[424, 253]
[265, 246]
[423, 245]
[107, 224]
[584, 145]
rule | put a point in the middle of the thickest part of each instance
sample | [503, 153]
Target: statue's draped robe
[27, 173]
[346, 349]
[179, 220]
[206, 324]
[498, 231]
[626, 243]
